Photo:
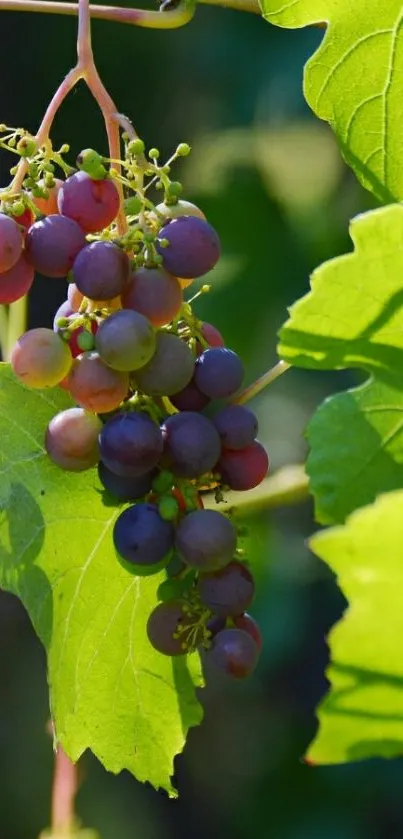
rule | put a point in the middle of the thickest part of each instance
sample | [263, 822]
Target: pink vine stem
[64, 791]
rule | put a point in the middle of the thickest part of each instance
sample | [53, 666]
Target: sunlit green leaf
[109, 690]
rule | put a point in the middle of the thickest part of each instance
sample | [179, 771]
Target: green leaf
[356, 441]
[353, 317]
[362, 714]
[110, 691]
[354, 81]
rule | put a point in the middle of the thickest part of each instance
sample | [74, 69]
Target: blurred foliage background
[270, 178]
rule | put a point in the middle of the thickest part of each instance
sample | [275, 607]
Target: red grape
[155, 294]
[53, 244]
[71, 439]
[92, 204]
[245, 468]
[11, 242]
[17, 281]
[95, 386]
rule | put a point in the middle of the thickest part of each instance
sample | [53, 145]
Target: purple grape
[237, 426]
[167, 620]
[228, 591]
[206, 539]
[16, 281]
[11, 242]
[235, 652]
[219, 372]
[92, 204]
[124, 488]
[170, 369]
[130, 444]
[190, 398]
[126, 340]
[191, 444]
[155, 294]
[142, 537]
[193, 247]
[52, 245]
[249, 625]
[215, 624]
[245, 468]
[101, 271]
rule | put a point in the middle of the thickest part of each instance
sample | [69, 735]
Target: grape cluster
[144, 373]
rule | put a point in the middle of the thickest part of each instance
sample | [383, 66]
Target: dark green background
[271, 180]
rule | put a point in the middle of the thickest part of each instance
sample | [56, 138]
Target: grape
[17, 281]
[219, 372]
[228, 591]
[74, 297]
[131, 444]
[155, 294]
[93, 204]
[249, 625]
[52, 245]
[190, 398]
[11, 241]
[124, 488]
[126, 340]
[215, 624]
[237, 426]
[101, 271]
[206, 539]
[211, 335]
[181, 208]
[193, 247]
[167, 620]
[71, 439]
[48, 206]
[40, 358]
[142, 537]
[234, 652]
[170, 369]
[244, 469]
[95, 386]
[191, 444]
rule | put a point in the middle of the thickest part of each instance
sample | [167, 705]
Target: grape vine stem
[260, 384]
[65, 787]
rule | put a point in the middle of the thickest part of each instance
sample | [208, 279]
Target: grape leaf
[109, 690]
[354, 81]
[356, 441]
[353, 316]
[362, 714]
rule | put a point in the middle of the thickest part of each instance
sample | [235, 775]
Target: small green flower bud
[90, 161]
[154, 154]
[86, 341]
[168, 508]
[163, 481]
[183, 150]
[174, 189]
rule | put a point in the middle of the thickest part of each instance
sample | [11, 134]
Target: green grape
[91, 162]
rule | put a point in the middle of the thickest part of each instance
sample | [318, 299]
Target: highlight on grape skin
[71, 439]
[40, 358]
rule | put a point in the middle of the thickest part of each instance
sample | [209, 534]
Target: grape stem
[65, 786]
[171, 19]
[264, 381]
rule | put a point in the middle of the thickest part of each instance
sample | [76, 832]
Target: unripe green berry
[174, 189]
[168, 508]
[132, 206]
[17, 208]
[154, 154]
[26, 146]
[163, 482]
[136, 147]
[86, 341]
[90, 161]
